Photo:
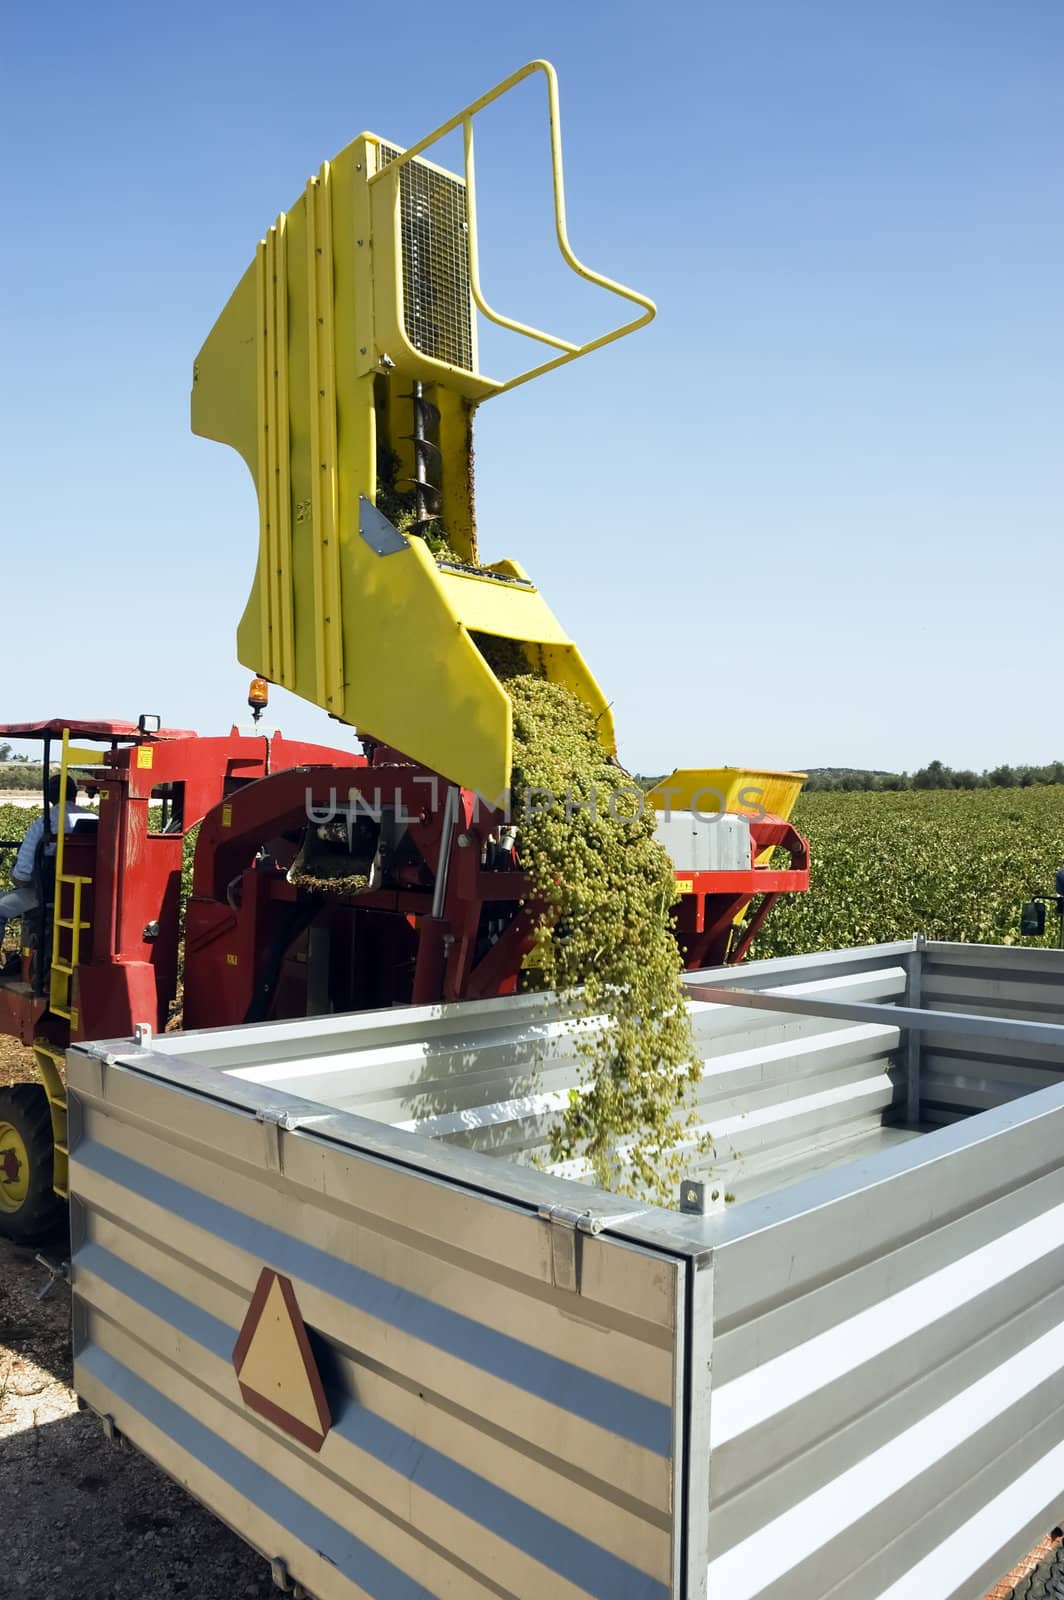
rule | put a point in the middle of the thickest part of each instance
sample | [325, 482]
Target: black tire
[1046, 1582]
[30, 1209]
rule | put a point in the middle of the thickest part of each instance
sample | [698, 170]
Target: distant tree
[5, 752]
[933, 776]
[936, 775]
[22, 776]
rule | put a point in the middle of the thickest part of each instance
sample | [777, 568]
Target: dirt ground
[16, 1063]
[83, 1519]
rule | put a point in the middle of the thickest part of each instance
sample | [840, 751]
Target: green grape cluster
[400, 507]
[328, 870]
[325, 880]
[604, 888]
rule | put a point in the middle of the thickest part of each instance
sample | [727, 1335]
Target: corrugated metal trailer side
[888, 1369]
[961, 1075]
[494, 1433]
[849, 1385]
[779, 1094]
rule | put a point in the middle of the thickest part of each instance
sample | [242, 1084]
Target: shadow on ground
[82, 1518]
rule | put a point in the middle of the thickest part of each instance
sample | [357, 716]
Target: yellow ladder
[61, 980]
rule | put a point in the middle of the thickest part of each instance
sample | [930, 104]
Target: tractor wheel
[1046, 1582]
[30, 1209]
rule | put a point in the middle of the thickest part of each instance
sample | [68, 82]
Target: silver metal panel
[493, 1433]
[888, 1353]
[850, 1383]
[775, 1093]
[380, 534]
[719, 842]
[964, 1075]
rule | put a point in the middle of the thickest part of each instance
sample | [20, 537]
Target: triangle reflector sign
[275, 1366]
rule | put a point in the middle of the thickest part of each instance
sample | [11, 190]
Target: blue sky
[812, 515]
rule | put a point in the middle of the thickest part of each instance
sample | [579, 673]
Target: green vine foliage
[949, 863]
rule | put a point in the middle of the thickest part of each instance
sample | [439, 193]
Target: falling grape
[604, 888]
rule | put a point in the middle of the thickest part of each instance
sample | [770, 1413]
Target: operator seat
[37, 922]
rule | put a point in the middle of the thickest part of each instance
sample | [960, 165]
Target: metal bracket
[564, 1246]
[97, 1058]
[276, 1121]
[912, 1044]
[381, 535]
[694, 1197]
[111, 1431]
[283, 1580]
[57, 1273]
[565, 1253]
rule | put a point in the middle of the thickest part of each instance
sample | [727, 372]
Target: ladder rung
[68, 922]
[60, 966]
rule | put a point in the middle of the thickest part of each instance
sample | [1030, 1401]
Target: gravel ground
[16, 1063]
[83, 1519]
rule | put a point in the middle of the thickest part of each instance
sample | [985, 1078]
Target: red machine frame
[131, 904]
[449, 924]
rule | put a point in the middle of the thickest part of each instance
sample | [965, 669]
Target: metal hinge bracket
[566, 1226]
[283, 1580]
[276, 1121]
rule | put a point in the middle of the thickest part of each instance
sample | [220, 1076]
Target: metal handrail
[464, 120]
[62, 973]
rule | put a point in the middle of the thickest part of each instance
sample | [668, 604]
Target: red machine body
[443, 916]
[258, 944]
[711, 903]
[130, 906]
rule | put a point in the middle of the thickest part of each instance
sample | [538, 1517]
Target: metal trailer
[848, 1382]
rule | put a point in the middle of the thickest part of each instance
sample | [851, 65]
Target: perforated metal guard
[437, 306]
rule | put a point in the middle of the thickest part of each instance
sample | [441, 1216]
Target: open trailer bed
[491, 1379]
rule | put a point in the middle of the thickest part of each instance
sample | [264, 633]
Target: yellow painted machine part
[740, 789]
[49, 1060]
[305, 359]
[66, 915]
[712, 789]
[13, 1191]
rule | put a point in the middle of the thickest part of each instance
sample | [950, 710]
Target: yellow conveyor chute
[362, 296]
